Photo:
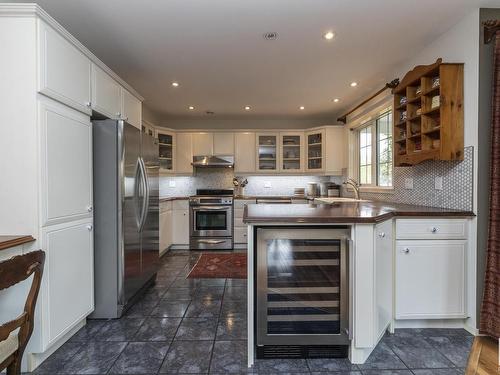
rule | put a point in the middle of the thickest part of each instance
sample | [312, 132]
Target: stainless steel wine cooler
[302, 292]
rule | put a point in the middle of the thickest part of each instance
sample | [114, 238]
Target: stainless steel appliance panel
[150, 229]
[211, 221]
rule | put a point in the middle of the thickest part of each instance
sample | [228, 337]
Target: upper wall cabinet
[292, 152]
[184, 153]
[325, 150]
[166, 145]
[203, 144]
[223, 143]
[106, 93]
[267, 152]
[244, 152]
[315, 149]
[64, 71]
[131, 109]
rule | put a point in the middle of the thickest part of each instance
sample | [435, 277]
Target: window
[375, 152]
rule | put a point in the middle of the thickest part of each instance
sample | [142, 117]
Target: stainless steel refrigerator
[126, 204]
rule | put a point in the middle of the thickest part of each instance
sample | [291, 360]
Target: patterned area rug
[216, 265]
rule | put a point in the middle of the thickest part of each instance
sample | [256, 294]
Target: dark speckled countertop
[345, 212]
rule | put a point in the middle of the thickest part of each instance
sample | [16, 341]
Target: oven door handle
[211, 242]
[209, 208]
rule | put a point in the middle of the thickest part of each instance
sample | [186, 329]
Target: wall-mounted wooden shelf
[425, 130]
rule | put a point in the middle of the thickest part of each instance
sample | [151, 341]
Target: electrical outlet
[267, 184]
[171, 183]
[438, 183]
[409, 183]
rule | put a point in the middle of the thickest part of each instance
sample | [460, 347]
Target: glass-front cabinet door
[166, 151]
[292, 146]
[267, 152]
[315, 142]
[302, 286]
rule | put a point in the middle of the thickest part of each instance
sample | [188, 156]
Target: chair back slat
[19, 268]
[7, 328]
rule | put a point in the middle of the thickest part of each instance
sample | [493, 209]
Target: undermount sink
[339, 200]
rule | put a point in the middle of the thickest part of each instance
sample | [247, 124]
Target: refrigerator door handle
[145, 182]
[139, 195]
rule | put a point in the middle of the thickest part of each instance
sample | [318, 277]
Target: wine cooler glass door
[302, 291]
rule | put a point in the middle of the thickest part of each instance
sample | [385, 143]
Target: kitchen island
[374, 267]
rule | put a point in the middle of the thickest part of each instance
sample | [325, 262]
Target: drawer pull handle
[89, 208]
[89, 227]
[381, 234]
[434, 230]
[406, 250]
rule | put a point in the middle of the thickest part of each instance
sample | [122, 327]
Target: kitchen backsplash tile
[457, 192]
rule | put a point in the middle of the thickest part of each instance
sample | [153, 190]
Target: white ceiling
[216, 50]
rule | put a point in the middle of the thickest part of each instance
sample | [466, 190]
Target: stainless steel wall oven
[302, 292]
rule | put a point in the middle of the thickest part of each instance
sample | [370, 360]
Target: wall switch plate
[171, 183]
[409, 183]
[438, 183]
[267, 184]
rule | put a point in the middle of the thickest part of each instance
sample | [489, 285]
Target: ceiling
[216, 51]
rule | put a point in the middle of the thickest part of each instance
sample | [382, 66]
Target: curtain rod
[389, 85]
[490, 29]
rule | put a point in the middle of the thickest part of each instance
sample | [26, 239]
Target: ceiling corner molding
[35, 10]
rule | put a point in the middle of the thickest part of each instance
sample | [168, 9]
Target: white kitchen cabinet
[131, 109]
[183, 153]
[244, 152]
[166, 148]
[292, 152]
[325, 150]
[384, 277]
[64, 71]
[66, 163]
[267, 152]
[431, 229]
[166, 226]
[106, 93]
[430, 279]
[68, 293]
[240, 228]
[223, 143]
[203, 144]
[315, 150]
[181, 222]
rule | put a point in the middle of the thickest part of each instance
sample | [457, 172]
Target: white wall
[461, 44]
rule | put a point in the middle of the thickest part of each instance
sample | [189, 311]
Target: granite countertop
[277, 197]
[6, 242]
[168, 199]
[345, 212]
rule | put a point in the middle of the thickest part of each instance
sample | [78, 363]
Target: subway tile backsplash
[456, 193]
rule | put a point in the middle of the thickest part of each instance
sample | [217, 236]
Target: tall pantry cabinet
[46, 164]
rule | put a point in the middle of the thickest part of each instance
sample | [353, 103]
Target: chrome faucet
[354, 184]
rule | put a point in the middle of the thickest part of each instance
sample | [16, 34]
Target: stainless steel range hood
[207, 161]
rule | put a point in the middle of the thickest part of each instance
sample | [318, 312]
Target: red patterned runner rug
[217, 265]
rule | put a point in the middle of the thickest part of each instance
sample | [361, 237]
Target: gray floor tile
[232, 328]
[236, 294]
[119, 329]
[455, 348]
[188, 357]
[266, 366]
[441, 371]
[336, 373]
[140, 358]
[141, 309]
[330, 364]
[88, 332]
[232, 308]
[211, 282]
[179, 294]
[197, 329]
[229, 357]
[55, 363]
[209, 292]
[170, 309]
[382, 358]
[204, 308]
[94, 358]
[236, 282]
[416, 352]
[158, 329]
[387, 372]
[182, 282]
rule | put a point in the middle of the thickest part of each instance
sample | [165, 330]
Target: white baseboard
[431, 323]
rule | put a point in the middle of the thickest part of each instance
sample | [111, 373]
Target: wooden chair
[14, 334]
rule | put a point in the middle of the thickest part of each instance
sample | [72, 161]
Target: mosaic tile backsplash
[456, 194]
[457, 190]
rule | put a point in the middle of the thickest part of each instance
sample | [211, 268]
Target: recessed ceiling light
[175, 84]
[191, 107]
[336, 100]
[302, 107]
[271, 35]
[354, 84]
[329, 35]
[247, 108]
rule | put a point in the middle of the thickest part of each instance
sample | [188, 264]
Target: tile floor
[186, 326]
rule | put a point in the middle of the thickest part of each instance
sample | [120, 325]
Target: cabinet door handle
[118, 115]
[406, 250]
[89, 227]
[88, 104]
[434, 230]
[381, 234]
[90, 208]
